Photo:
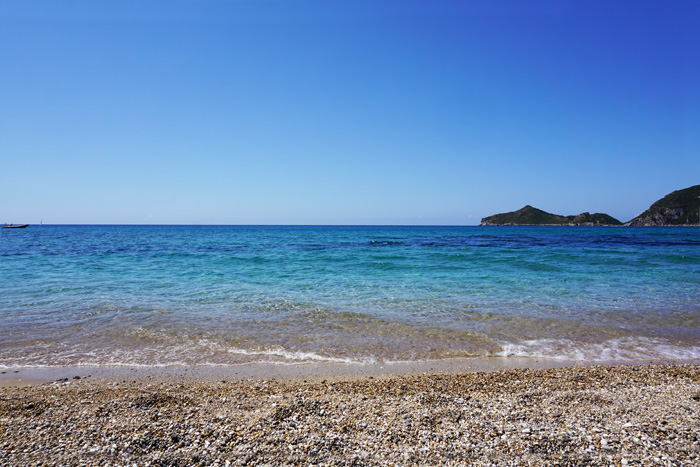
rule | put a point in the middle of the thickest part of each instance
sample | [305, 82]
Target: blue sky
[335, 112]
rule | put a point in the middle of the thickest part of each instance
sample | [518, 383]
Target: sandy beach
[590, 415]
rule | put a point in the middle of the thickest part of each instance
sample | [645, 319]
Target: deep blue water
[163, 295]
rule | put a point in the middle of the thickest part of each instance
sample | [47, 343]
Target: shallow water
[219, 295]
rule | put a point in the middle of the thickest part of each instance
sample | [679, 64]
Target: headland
[682, 207]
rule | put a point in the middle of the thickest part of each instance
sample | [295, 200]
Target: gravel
[622, 415]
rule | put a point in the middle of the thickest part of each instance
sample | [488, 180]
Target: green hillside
[681, 207]
[533, 216]
[595, 219]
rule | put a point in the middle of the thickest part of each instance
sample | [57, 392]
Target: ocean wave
[624, 350]
[302, 356]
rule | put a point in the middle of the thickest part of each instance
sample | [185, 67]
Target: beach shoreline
[308, 371]
[571, 415]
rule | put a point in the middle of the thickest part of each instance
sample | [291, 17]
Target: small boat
[21, 226]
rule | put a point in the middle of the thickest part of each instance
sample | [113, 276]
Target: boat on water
[11, 226]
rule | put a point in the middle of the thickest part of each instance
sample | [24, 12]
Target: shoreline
[573, 415]
[311, 371]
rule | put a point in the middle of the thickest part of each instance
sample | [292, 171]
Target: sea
[159, 296]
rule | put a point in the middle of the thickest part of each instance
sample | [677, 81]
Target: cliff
[681, 207]
[533, 216]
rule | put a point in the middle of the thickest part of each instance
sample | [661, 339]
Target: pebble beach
[594, 415]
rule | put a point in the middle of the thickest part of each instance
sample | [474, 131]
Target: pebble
[431, 419]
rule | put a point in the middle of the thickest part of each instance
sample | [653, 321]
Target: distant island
[533, 216]
[681, 207]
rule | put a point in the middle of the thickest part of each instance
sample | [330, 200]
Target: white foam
[625, 349]
[204, 352]
[300, 356]
[212, 353]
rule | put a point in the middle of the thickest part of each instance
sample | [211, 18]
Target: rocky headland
[681, 207]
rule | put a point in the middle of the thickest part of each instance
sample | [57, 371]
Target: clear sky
[344, 112]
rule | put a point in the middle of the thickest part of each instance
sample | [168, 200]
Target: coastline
[311, 371]
[572, 415]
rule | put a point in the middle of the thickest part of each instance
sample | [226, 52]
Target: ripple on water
[160, 295]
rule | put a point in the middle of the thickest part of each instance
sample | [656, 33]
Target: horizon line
[255, 225]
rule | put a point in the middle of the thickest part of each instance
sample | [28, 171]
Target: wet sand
[292, 372]
[575, 415]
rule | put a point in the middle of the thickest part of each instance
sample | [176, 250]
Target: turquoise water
[220, 295]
